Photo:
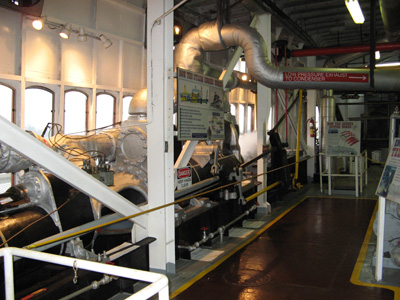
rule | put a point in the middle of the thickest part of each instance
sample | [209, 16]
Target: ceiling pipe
[390, 17]
[344, 50]
[189, 55]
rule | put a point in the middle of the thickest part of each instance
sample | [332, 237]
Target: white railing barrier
[159, 282]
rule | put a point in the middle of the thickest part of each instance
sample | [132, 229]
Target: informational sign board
[325, 77]
[200, 107]
[343, 138]
[389, 185]
[183, 177]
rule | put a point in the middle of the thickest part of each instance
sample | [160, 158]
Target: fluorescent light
[65, 31]
[38, 23]
[391, 64]
[355, 11]
[377, 54]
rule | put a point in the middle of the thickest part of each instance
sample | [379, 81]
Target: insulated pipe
[344, 50]
[189, 55]
[328, 114]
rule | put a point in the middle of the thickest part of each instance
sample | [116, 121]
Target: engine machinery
[42, 205]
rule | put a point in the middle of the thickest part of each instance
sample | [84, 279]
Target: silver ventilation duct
[207, 37]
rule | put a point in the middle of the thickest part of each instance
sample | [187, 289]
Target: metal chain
[75, 268]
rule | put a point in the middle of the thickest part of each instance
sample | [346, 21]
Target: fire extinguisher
[312, 127]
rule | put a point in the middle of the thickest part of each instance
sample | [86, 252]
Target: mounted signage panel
[325, 77]
[183, 177]
[200, 107]
[389, 185]
[343, 138]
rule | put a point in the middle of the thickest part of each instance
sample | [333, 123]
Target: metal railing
[158, 282]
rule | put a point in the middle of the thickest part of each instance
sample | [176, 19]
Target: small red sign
[183, 173]
[325, 77]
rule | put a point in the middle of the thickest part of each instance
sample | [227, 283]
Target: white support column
[380, 238]
[311, 105]
[357, 172]
[160, 134]
[263, 25]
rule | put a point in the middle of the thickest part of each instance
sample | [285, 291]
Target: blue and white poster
[200, 107]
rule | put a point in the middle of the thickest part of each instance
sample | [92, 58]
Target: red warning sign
[325, 77]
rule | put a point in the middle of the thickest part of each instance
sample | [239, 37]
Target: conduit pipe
[219, 231]
[296, 174]
[255, 195]
[206, 37]
[344, 50]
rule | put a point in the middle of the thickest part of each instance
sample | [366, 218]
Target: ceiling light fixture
[390, 64]
[377, 55]
[82, 37]
[38, 23]
[177, 30]
[106, 42]
[355, 11]
[65, 31]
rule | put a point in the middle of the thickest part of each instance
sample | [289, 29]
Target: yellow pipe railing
[297, 185]
[251, 197]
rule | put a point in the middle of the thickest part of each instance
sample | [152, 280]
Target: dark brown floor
[309, 254]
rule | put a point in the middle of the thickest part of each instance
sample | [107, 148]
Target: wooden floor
[308, 254]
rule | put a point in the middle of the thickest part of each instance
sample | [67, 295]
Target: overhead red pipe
[344, 49]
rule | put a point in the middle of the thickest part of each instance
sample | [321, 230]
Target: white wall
[31, 57]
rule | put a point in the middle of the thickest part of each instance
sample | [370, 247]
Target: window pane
[38, 109]
[241, 118]
[104, 110]
[75, 112]
[125, 107]
[6, 97]
[249, 118]
[233, 110]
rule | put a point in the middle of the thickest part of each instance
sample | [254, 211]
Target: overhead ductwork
[207, 37]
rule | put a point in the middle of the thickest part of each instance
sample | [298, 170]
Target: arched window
[75, 112]
[105, 110]
[38, 109]
[125, 107]
[6, 111]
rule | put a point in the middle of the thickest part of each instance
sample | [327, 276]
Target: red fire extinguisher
[312, 127]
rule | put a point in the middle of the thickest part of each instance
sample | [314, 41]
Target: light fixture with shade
[82, 37]
[355, 11]
[65, 31]
[38, 23]
[106, 42]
